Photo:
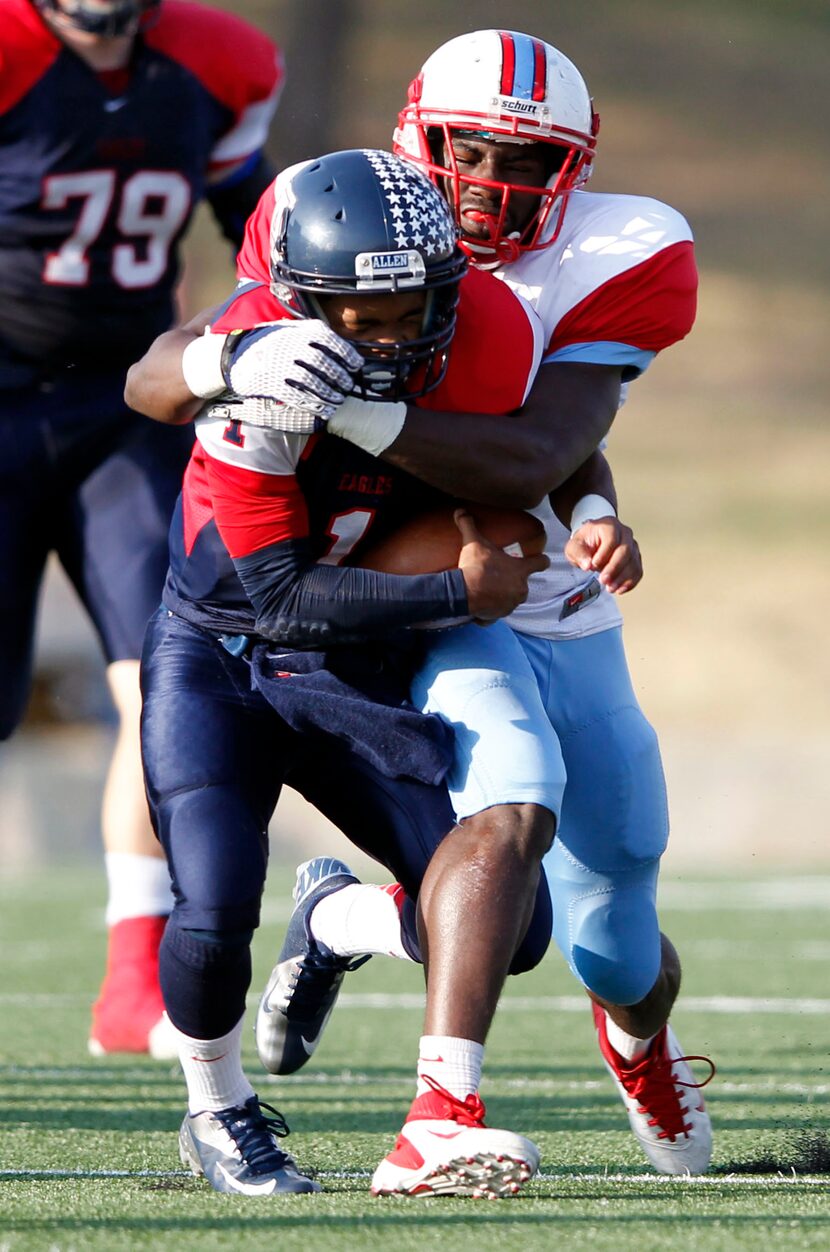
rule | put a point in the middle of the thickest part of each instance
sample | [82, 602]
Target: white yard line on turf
[514, 1004]
[712, 1180]
[161, 1073]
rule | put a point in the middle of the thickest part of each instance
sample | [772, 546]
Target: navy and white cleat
[305, 982]
[236, 1151]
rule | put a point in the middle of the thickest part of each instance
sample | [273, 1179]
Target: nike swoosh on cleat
[248, 1188]
[453, 1134]
[308, 1044]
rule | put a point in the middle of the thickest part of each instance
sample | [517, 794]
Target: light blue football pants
[518, 740]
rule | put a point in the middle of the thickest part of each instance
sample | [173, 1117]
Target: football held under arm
[262, 517]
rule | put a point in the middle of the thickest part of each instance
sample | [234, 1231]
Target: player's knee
[523, 831]
[611, 939]
[619, 979]
[204, 975]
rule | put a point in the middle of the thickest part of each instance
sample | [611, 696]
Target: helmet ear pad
[362, 221]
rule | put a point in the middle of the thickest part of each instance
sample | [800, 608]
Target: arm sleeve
[263, 521]
[306, 604]
[234, 199]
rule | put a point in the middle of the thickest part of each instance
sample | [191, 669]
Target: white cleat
[665, 1109]
[445, 1149]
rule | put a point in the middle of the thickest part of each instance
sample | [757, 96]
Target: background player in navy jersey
[116, 118]
[271, 656]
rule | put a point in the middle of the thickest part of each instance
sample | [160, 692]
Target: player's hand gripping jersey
[266, 518]
[101, 172]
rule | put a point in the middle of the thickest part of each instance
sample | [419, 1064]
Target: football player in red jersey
[116, 118]
[277, 658]
[504, 125]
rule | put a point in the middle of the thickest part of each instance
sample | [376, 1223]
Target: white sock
[360, 918]
[629, 1047]
[213, 1071]
[139, 886]
[453, 1063]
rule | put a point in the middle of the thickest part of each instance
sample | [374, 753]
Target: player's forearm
[156, 384]
[304, 604]
[477, 457]
[593, 478]
[514, 460]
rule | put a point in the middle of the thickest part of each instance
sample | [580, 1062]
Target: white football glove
[302, 365]
[259, 411]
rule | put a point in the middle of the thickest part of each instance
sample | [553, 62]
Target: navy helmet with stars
[363, 221]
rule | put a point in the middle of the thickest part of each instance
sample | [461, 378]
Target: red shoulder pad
[254, 510]
[27, 49]
[254, 260]
[234, 62]
[650, 306]
[494, 353]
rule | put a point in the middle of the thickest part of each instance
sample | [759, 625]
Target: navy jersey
[100, 173]
[248, 490]
[338, 497]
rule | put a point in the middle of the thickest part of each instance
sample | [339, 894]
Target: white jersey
[617, 286]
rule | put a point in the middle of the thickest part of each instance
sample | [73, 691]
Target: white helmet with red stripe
[508, 87]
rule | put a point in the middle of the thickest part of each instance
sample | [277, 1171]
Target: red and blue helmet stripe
[523, 67]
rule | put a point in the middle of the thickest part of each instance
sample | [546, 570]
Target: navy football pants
[215, 757]
[85, 477]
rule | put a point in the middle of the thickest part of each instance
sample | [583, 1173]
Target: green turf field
[89, 1155]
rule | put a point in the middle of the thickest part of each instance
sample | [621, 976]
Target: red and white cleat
[128, 1015]
[445, 1149]
[665, 1110]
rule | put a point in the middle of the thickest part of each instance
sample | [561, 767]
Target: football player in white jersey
[505, 126]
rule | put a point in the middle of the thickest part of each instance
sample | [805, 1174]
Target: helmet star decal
[420, 221]
[364, 223]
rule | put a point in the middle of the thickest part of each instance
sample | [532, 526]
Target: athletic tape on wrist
[371, 424]
[202, 365]
[589, 508]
